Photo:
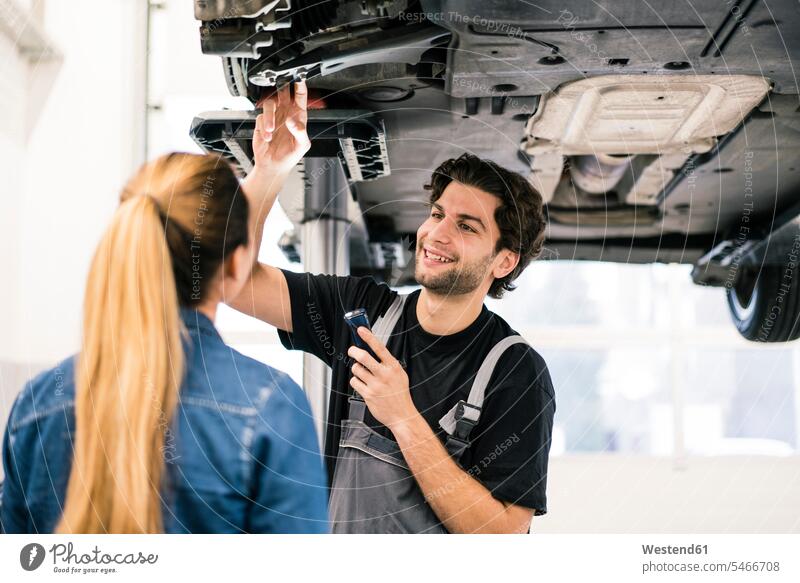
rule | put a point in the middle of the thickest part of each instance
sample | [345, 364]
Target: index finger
[283, 95]
[376, 345]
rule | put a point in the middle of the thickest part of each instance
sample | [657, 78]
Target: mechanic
[448, 430]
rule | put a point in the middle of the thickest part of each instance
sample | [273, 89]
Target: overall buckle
[466, 417]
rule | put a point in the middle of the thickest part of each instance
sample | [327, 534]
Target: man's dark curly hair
[520, 215]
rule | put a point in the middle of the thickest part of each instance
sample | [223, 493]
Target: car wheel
[765, 304]
[236, 75]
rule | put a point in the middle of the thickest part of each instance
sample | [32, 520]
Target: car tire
[765, 304]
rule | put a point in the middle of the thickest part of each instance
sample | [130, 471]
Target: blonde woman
[157, 425]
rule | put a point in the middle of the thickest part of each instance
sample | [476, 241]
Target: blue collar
[196, 320]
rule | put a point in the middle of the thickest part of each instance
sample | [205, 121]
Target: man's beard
[458, 280]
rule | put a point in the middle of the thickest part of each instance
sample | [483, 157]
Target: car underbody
[666, 134]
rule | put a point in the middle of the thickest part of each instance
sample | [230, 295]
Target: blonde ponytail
[128, 374]
[131, 365]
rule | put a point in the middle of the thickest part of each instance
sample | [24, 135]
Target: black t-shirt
[510, 443]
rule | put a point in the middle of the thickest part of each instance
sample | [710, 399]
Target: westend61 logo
[66, 560]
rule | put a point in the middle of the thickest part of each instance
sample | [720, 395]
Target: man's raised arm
[279, 143]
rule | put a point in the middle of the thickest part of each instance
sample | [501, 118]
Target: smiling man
[449, 428]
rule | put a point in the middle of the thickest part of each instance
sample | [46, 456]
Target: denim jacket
[241, 453]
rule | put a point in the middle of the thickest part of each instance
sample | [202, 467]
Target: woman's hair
[179, 218]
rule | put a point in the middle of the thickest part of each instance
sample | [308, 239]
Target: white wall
[13, 79]
[71, 134]
[603, 493]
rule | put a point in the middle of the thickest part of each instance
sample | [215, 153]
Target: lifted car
[654, 134]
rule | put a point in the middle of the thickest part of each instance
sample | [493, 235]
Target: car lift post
[325, 249]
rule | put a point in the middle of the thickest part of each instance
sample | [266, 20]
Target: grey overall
[373, 490]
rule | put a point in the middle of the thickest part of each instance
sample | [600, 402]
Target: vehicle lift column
[325, 249]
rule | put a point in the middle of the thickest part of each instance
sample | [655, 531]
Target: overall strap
[381, 329]
[459, 421]
[385, 324]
